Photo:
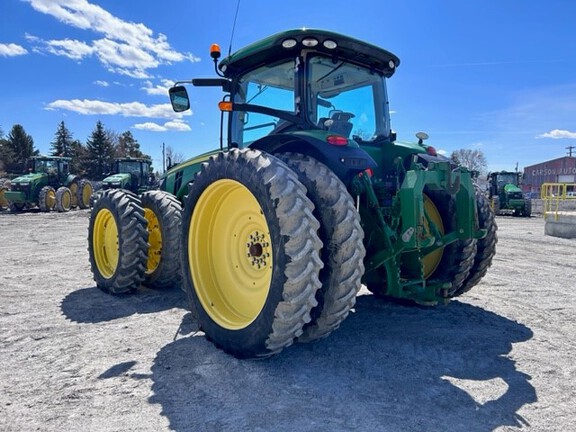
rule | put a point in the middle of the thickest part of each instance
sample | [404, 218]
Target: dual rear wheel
[134, 240]
[271, 251]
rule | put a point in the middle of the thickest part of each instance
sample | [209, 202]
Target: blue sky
[494, 75]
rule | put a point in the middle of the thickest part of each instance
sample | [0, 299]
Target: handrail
[553, 194]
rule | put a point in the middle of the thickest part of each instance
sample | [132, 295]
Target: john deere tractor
[506, 197]
[309, 196]
[49, 185]
[129, 173]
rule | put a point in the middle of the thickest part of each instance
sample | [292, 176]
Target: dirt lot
[503, 357]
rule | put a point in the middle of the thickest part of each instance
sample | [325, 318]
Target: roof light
[337, 140]
[215, 51]
[289, 43]
[330, 44]
[310, 42]
[431, 151]
[391, 64]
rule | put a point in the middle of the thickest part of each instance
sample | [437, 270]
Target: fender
[345, 161]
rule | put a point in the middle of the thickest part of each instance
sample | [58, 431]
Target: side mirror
[179, 98]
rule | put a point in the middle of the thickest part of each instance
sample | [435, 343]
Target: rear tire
[250, 253]
[343, 251]
[117, 242]
[486, 247]
[47, 199]
[164, 215]
[63, 199]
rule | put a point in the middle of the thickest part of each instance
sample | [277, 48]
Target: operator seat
[339, 123]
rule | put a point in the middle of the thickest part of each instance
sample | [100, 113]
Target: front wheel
[47, 199]
[117, 242]
[250, 253]
[63, 199]
[84, 193]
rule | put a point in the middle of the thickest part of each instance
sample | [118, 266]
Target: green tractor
[309, 196]
[128, 173]
[49, 185]
[505, 194]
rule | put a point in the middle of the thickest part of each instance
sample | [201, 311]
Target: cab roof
[285, 44]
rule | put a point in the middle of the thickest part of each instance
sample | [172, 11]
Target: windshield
[46, 166]
[270, 86]
[129, 167]
[347, 99]
[504, 179]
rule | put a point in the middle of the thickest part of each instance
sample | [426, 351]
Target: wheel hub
[258, 250]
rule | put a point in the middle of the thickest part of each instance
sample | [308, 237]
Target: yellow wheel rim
[105, 243]
[154, 240]
[51, 199]
[3, 200]
[66, 200]
[431, 261]
[230, 254]
[86, 193]
[74, 191]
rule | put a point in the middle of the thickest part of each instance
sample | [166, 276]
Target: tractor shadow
[91, 305]
[388, 368]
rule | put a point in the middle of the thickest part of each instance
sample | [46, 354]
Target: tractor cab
[56, 168]
[306, 88]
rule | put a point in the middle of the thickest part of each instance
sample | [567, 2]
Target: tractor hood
[28, 178]
[116, 179]
[510, 188]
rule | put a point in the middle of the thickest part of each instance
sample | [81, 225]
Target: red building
[561, 170]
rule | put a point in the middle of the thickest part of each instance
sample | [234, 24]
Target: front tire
[117, 242]
[84, 193]
[63, 199]
[47, 199]
[343, 251]
[250, 253]
[164, 215]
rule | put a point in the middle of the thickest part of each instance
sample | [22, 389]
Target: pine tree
[100, 152]
[6, 155]
[62, 144]
[21, 146]
[128, 146]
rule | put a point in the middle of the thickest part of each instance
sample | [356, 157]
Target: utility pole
[570, 148]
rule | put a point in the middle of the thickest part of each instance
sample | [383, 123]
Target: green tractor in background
[309, 196]
[129, 173]
[49, 185]
[505, 194]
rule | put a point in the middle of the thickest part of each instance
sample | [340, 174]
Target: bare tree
[172, 157]
[474, 160]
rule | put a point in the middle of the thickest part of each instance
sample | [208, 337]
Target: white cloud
[11, 50]
[127, 48]
[127, 109]
[102, 83]
[558, 134]
[161, 89]
[172, 125]
[73, 49]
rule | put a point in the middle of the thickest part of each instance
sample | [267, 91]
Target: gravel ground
[502, 357]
